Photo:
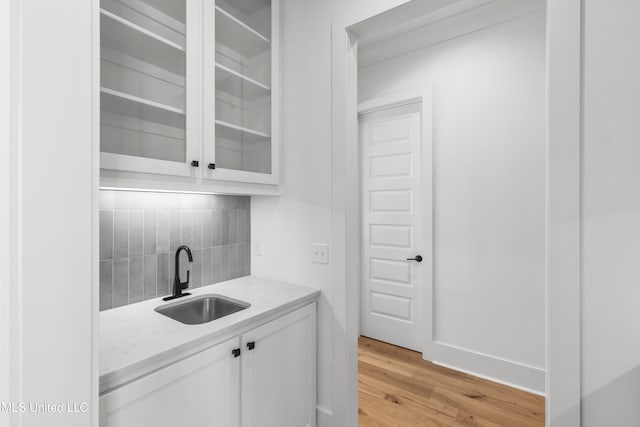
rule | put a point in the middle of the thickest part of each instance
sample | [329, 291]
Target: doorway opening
[452, 207]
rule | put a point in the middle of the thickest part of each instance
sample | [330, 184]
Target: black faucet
[178, 286]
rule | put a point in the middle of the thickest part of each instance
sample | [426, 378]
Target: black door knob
[417, 258]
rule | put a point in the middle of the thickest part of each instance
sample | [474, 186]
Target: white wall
[611, 215]
[5, 207]
[489, 184]
[47, 164]
[286, 226]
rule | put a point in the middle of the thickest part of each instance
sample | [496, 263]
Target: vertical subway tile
[207, 228]
[244, 256]
[172, 270]
[206, 266]
[233, 261]
[241, 225]
[236, 202]
[203, 201]
[224, 263]
[150, 278]
[144, 200]
[187, 227]
[214, 202]
[247, 226]
[174, 200]
[185, 266]
[163, 231]
[233, 226]
[136, 277]
[196, 242]
[136, 200]
[224, 226]
[106, 234]
[150, 237]
[107, 200]
[188, 201]
[122, 199]
[247, 252]
[121, 233]
[136, 224]
[217, 227]
[163, 275]
[216, 259]
[106, 284]
[121, 282]
[196, 269]
[174, 233]
[239, 266]
[225, 202]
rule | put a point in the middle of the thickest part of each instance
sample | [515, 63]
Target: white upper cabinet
[189, 89]
[148, 78]
[239, 81]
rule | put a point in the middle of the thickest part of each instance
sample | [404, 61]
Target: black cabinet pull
[236, 352]
[417, 258]
[212, 166]
[251, 345]
[195, 163]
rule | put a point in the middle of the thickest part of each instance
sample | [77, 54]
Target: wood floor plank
[400, 389]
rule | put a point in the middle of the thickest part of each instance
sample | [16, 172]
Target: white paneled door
[392, 271]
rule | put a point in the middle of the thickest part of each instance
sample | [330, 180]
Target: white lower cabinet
[264, 378]
[201, 390]
[279, 372]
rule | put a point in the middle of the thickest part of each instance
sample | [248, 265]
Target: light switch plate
[320, 253]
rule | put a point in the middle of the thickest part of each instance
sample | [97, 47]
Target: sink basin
[202, 309]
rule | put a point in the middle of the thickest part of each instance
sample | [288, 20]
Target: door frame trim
[563, 211]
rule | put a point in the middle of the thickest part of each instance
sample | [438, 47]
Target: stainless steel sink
[202, 309]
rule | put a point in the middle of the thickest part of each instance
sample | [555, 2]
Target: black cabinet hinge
[195, 163]
[251, 345]
[236, 352]
[212, 166]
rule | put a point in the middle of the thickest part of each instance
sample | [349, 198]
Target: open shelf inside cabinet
[135, 41]
[238, 36]
[143, 73]
[239, 85]
[243, 85]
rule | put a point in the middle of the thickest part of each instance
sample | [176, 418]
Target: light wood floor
[399, 389]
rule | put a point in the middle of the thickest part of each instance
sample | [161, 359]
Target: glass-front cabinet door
[239, 52]
[150, 114]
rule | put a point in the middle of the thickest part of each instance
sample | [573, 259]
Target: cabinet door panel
[279, 373]
[241, 90]
[201, 390]
[149, 86]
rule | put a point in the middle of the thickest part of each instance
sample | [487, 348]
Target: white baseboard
[502, 371]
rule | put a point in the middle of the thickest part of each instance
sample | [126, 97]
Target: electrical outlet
[258, 249]
[320, 253]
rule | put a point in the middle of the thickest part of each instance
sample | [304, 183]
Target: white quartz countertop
[135, 339]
